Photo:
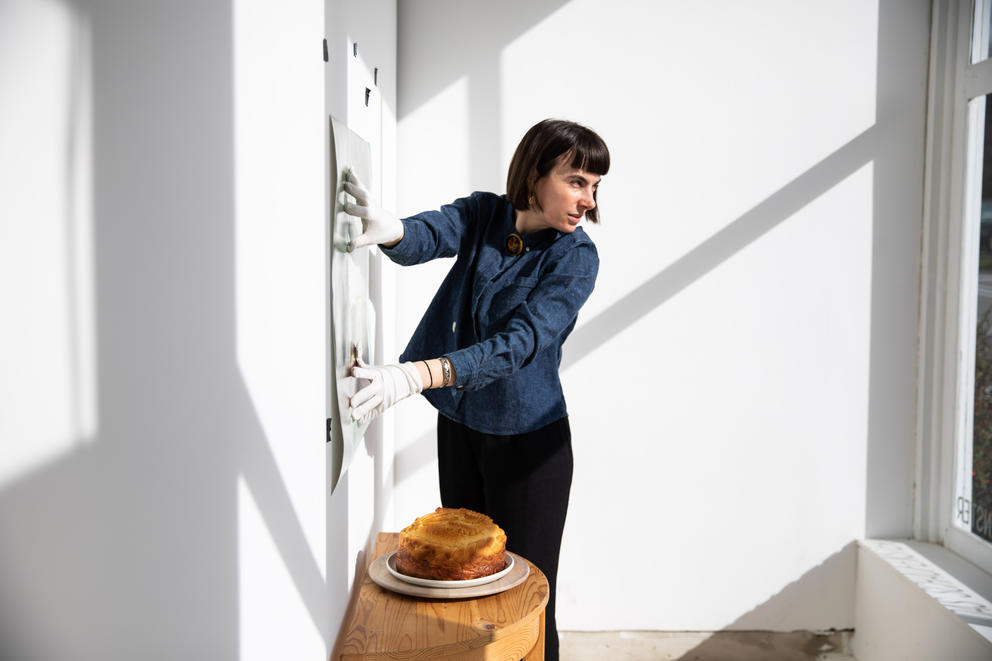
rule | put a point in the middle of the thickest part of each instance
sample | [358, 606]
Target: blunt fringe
[542, 147]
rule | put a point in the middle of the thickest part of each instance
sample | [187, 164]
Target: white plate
[431, 583]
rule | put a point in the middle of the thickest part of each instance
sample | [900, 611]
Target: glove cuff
[396, 228]
[413, 377]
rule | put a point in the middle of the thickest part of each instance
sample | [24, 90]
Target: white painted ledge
[917, 601]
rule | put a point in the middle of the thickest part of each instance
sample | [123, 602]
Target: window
[981, 47]
[973, 483]
[954, 459]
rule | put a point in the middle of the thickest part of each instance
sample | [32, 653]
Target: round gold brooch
[514, 244]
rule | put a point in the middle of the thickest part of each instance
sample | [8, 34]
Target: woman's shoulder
[487, 200]
[573, 252]
[484, 209]
[479, 204]
[575, 239]
[579, 237]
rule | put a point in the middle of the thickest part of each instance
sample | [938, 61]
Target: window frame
[948, 278]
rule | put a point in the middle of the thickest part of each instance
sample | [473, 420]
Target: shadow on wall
[479, 51]
[139, 528]
[415, 455]
[590, 334]
[768, 631]
[881, 145]
[723, 245]
[128, 547]
[896, 236]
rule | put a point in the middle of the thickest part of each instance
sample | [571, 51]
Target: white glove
[378, 225]
[388, 384]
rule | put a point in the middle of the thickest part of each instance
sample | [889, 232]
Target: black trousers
[522, 482]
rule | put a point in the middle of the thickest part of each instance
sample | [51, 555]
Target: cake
[451, 545]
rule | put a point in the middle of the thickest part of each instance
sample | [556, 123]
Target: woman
[487, 351]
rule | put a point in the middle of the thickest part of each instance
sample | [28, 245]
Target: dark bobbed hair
[539, 152]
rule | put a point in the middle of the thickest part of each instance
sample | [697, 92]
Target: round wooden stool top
[385, 625]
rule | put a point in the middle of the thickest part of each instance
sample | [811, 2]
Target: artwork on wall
[351, 314]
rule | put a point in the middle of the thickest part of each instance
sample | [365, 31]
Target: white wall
[741, 383]
[362, 504]
[164, 490]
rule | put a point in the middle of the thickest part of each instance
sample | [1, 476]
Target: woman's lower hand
[378, 225]
[387, 384]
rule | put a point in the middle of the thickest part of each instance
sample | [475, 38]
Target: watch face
[351, 317]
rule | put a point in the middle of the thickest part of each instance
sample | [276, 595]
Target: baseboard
[705, 645]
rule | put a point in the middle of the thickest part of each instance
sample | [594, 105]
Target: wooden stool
[501, 627]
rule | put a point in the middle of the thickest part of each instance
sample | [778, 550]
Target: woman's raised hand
[378, 225]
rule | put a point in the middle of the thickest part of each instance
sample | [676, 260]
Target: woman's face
[565, 195]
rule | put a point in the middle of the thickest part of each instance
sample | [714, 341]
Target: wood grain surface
[501, 627]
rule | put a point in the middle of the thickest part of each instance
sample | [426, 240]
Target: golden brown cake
[451, 545]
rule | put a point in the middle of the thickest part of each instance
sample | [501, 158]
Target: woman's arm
[433, 234]
[432, 372]
[536, 322]
[414, 240]
[389, 384]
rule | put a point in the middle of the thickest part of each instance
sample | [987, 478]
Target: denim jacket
[500, 318]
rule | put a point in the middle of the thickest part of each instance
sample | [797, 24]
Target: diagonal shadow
[431, 20]
[417, 454]
[772, 630]
[258, 466]
[733, 238]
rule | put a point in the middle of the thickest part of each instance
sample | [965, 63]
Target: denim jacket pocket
[506, 300]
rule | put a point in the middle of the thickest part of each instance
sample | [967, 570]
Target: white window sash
[949, 279]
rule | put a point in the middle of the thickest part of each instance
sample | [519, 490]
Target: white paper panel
[351, 313]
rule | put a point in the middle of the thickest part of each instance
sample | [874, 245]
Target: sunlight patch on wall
[48, 394]
[271, 611]
[440, 126]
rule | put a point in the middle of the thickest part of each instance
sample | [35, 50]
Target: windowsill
[914, 597]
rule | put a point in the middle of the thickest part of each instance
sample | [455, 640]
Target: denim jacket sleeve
[548, 312]
[434, 234]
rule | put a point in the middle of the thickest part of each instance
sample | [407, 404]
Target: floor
[700, 646]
